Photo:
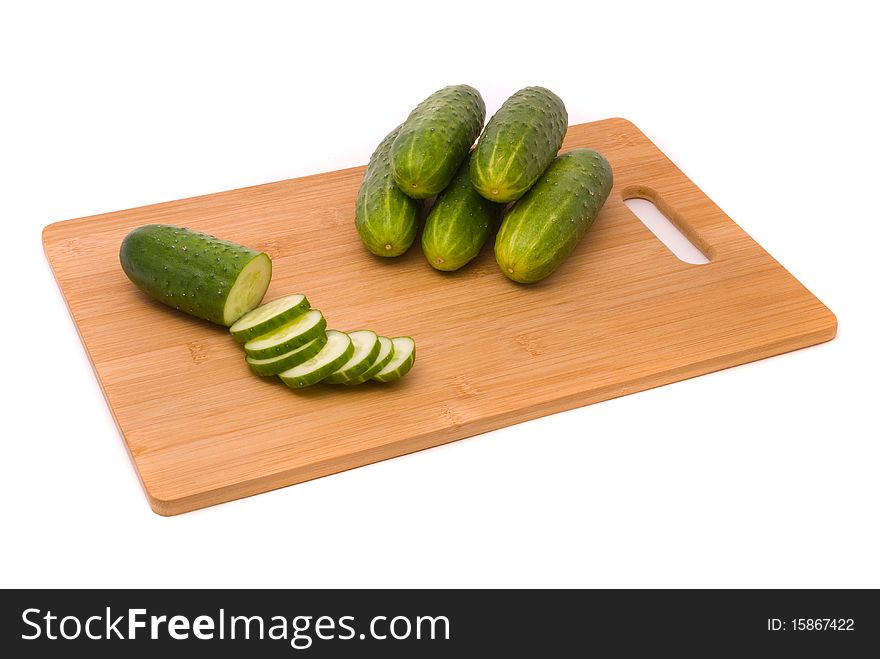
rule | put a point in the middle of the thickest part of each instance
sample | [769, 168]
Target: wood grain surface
[623, 314]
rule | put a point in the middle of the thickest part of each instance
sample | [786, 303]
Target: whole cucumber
[459, 224]
[544, 226]
[519, 143]
[202, 275]
[435, 139]
[385, 218]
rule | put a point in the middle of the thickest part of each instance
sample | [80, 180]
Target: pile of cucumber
[224, 282]
[555, 198]
[287, 338]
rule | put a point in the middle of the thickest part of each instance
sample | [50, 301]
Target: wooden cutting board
[623, 314]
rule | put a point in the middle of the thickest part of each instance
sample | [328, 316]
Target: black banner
[290, 623]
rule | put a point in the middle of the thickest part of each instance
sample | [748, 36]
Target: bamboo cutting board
[623, 314]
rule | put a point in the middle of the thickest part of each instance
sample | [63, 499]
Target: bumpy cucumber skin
[459, 224]
[519, 143]
[435, 139]
[544, 226]
[185, 269]
[385, 218]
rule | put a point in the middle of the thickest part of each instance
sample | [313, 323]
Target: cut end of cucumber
[402, 361]
[248, 289]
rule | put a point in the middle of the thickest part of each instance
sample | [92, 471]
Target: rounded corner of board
[164, 507]
[830, 324]
[622, 122]
[48, 230]
[623, 126]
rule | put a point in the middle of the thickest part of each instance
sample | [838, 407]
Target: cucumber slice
[386, 352]
[267, 317]
[297, 332]
[366, 349]
[275, 365]
[334, 354]
[403, 360]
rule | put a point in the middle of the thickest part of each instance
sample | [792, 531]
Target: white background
[763, 475]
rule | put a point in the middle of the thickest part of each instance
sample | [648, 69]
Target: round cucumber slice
[403, 360]
[386, 352]
[366, 349]
[297, 332]
[334, 354]
[267, 317]
[275, 365]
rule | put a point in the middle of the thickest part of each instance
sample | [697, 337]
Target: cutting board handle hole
[666, 225]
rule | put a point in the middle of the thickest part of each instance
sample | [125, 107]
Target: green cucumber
[267, 317]
[401, 363]
[544, 226]
[275, 365]
[366, 349]
[519, 143]
[299, 331]
[202, 275]
[334, 354]
[386, 352]
[386, 219]
[435, 139]
[458, 225]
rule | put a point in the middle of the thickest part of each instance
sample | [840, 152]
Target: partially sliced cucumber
[267, 317]
[403, 360]
[297, 332]
[275, 365]
[366, 349]
[386, 352]
[334, 354]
